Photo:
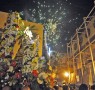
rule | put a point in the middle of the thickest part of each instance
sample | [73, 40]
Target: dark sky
[68, 15]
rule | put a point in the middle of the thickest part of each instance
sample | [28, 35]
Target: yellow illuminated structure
[38, 30]
[3, 18]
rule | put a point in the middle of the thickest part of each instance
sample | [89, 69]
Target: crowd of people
[42, 87]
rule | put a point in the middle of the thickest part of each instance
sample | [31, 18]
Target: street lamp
[66, 74]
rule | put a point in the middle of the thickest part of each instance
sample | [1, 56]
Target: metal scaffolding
[80, 50]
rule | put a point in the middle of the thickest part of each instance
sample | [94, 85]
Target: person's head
[83, 87]
[6, 88]
[25, 88]
[55, 87]
[93, 87]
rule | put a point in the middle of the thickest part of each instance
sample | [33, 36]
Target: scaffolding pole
[80, 55]
[73, 59]
[91, 53]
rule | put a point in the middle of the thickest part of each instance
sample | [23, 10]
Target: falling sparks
[57, 18]
[51, 17]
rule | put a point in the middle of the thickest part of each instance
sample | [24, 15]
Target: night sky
[66, 14]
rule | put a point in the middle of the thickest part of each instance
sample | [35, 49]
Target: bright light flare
[66, 74]
[49, 52]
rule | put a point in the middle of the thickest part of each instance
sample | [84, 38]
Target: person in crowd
[65, 87]
[60, 88]
[25, 88]
[83, 87]
[93, 87]
[6, 88]
[55, 87]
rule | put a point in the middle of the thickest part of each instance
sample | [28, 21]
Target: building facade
[81, 51]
